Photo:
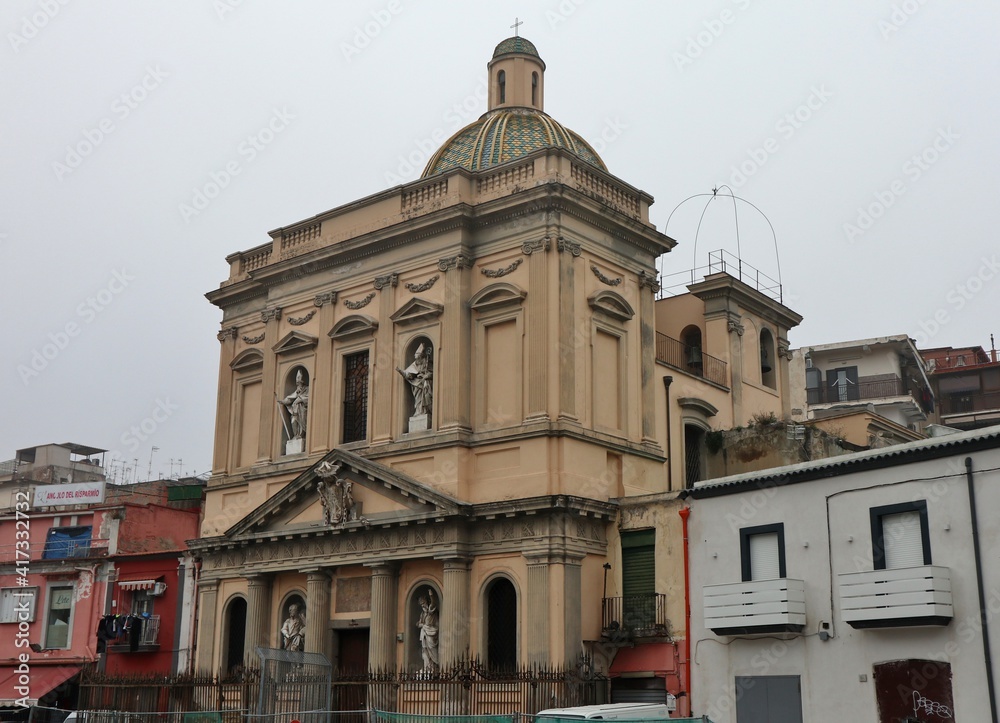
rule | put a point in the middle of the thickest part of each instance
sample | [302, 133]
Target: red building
[966, 383]
[79, 557]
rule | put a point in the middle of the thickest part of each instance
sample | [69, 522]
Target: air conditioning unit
[158, 589]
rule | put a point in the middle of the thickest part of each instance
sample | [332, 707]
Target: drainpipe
[685, 512]
[670, 456]
[984, 618]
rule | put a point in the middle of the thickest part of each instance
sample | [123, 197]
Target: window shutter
[853, 390]
[902, 540]
[638, 563]
[764, 557]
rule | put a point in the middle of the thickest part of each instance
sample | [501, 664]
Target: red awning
[658, 659]
[43, 680]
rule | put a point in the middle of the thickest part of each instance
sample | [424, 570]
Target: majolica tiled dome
[516, 44]
[506, 134]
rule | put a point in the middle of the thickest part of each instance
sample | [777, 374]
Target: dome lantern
[517, 75]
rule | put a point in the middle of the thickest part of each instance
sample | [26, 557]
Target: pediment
[294, 341]
[612, 304]
[496, 296]
[417, 309]
[353, 325]
[247, 360]
[382, 495]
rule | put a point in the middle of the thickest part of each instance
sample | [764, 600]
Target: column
[208, 599]
[538, 610]
[317, 610]
[456, 613]
[572, 625]
[258, 616]
[382, 645]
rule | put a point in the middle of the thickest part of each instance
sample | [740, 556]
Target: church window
[502, 82]
[694, 443]
[356, 397]
[534, 89]
[767, 360]
[235, 633]
[501, 625]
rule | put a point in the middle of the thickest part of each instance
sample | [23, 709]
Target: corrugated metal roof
[988, 437]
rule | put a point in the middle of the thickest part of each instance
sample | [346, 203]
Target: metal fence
[467, 688]
[41, 714]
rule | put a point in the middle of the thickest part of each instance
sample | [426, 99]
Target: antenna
[149, 471]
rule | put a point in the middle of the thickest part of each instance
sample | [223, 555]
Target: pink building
[91, 573]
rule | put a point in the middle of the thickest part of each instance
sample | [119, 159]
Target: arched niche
[423, 622]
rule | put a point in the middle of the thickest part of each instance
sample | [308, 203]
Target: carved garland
[254, 339]
[604, 279]
[497, 273]
[361, 303]
[417, 288]
[300, 320]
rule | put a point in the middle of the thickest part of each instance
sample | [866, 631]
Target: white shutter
[902, 540]
[764, 562]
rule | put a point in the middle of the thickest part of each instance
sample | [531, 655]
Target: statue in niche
[336, 494]
[297, 404]
[293, 630]
[427, 623]
[420, 377]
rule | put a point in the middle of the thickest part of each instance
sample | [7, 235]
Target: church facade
[432, 399]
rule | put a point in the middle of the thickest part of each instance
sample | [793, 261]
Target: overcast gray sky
[865, 131]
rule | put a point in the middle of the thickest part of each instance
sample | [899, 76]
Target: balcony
[690, 359]
[970, 403]
[638, 616]
[902, 597]
[149, 637]
[759, 606]
[61, 550]
[878, 386]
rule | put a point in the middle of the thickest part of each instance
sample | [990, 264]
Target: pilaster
[538, 324]
[456, 622]
[224, 401]
[647, 356]
[266, 444]
[568, 345]
[538, 610]
[454, 358]
[572, 612]
[324, 381]
[382, 366]
[208, 600]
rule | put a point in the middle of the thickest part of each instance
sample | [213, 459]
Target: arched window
[235, 621]
[691, 339]
[534, 89]
[767, 360]
[501, 624]
[502, 82]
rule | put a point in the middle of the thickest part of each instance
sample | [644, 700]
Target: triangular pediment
[382, 496]
[417, 310]
[352, 325]
[294, 341]
[612, 304]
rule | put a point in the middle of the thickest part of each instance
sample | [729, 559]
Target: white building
[850, 588]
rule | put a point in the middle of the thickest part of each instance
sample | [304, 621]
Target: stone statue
[428, 626]
[297, 404]
[336, 494]
[293, 630]
[420, 378]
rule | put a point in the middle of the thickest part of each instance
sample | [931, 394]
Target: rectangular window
[842, 385]
[762, 552]
[17, 604]
[900, 536]
[639, 579]
[59, 617]
[355, 397]
[142, 602]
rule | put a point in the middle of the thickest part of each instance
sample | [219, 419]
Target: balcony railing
[970, 403]
[53, 550]
[899, 597]
[638, 615]
[690, 359]
[879, 386]
[149, 637]
[757, 606]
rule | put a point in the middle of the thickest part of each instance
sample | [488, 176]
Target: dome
[516, 44]
[504, 135]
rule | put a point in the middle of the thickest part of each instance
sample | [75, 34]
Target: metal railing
[872, 387]
[638, 615]
[721, 261]
[53, 550]
[690, 359]
[970, 402]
